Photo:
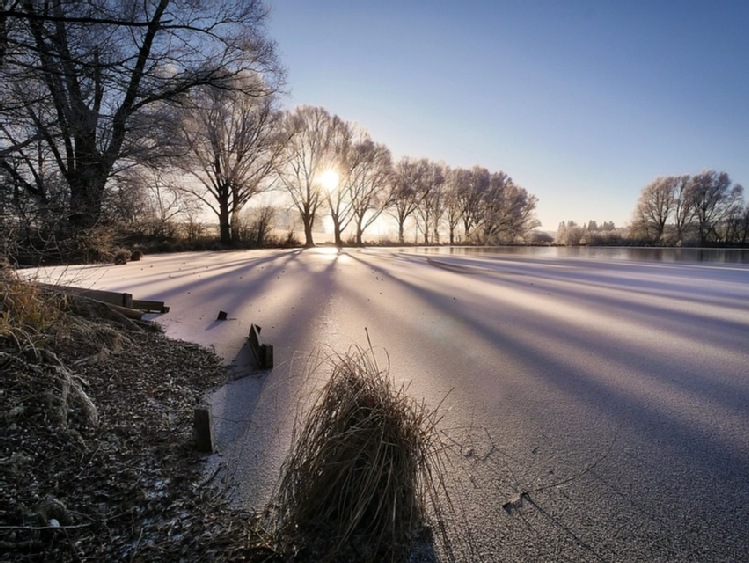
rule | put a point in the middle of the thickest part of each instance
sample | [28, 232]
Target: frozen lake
[614, 389]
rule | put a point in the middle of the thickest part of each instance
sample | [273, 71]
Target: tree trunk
[308, 220]
[224, 224]
[401, 233]
[86, 191]
[336, 231]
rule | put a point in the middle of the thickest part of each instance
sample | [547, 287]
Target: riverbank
[98, 456]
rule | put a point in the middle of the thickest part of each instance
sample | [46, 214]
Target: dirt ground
[117, 478]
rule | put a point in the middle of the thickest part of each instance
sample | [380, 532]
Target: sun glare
[329, 180]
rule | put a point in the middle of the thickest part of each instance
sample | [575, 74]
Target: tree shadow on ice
[533, 338]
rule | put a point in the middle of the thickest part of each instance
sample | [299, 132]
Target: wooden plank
[111, 297]
[150, 306]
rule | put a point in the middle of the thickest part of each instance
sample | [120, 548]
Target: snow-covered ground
[614, 392]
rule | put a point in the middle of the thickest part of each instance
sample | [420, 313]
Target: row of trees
[707, 208]
[488, 206]
[112, 110]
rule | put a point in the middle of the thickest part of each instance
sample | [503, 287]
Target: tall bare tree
[713, 197]
[508, 210]
[82, 79]
[406, 190]
[453, 179]
[336, 180]
[364, 168]
[232, 143]
[369, 184]
[471, 197]
[655, 206]
[683, 211]
[432, 200]
[308, 154]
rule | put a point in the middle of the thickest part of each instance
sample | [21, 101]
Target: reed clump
[364, 466]
[25, 307]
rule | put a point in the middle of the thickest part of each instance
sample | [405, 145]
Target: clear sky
[581, 102]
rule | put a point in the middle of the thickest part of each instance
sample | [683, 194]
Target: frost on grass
[364, 472]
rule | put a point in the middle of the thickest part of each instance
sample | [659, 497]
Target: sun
[329, 180]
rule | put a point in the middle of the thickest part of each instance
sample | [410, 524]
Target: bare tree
[161, 202]
[712, 196]
[336, 180]
[83, 79]
[569, 234]
[452, 204]
[683, 210]
[471, 197]
[406, 190]
[657, 203]
[508, 210]
[232, 144]
[365, 168]
[519, 217]
[740, 225]
[262, 220]
[308, 154]
[432, 200]
[369, 188]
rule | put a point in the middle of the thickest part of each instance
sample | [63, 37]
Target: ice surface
[549, 365]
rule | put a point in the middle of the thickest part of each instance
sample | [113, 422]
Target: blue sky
[581, 102]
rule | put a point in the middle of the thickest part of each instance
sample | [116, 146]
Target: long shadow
[243, 268]
[692, 444]
[622, 303]
[632, 283]
[258, 445]
[720, 463]
[683, 326]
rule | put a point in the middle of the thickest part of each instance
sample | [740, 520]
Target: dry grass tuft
[363, 467]
[25, 307]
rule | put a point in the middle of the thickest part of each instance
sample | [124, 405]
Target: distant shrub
[121, 256]
[291, 239]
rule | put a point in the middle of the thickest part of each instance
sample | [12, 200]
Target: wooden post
[203, 427]
[263, 352]
[268, 355]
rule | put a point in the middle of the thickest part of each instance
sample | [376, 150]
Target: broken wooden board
[263, 352]
[113, 298]
[150, 306]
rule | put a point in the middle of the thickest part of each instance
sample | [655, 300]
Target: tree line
[117, 112]
[705, 209]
